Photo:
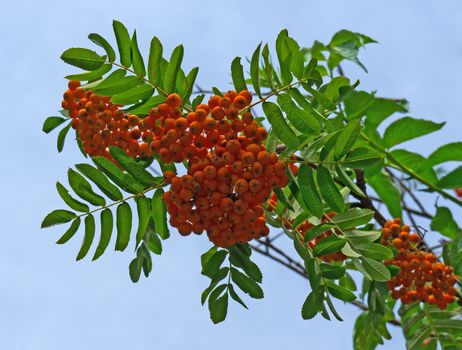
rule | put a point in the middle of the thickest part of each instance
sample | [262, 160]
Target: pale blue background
[49, 301]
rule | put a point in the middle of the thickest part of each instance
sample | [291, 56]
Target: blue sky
[48, 300]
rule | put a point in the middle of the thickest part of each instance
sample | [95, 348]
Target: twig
[366, 201]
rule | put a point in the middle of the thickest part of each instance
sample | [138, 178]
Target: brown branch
[366, 201]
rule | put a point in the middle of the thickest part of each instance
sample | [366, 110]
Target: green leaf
[408, 128]
[332, 308]
[255, 70]
[347, 138]
[159, 214]
[314, 273]
[317, 230]
[219, 309]
[197, 100]
[100, 180]
[246, 284]
[346, 180]
[101, 42]
[147, 263]
[110, 79]
[329, 190]
[212, 266]
[415, 162]
[57, 217]
[152, 240]
[83, 188]
[91, 75]
[172, 68]
[331, 271]
[88, 237]
[154, 62]
[446, 153]
[144, 214]
[190, 80]
[328, 245]
[348, 282]
[309, 191]
[376, 270]
[133, 168]
[145, 106]
[452, 179]
[124, 226]
[70, 231]
[382, 108]
[302, 120]
[444, 223]
[114, 85]
[361, 157]
[353, 218]
[52, 123]
[62, 137]
[357, 104]
[386, 190]
[121, 179]
[339, 292]
[222, 273]
[280, 127]
[69, 200]
[235, 296]
[237, 73]
[82, 58]
[138, 63]
[134, 269]
[107, 223]
[123, 43]
[239, 258]
[356, 237]
[375, 251]
[133, 95]
[312, 304]
[349, 51]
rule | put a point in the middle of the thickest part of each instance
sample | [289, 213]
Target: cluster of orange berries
[421, 276]
[230, 172]
[100, 123]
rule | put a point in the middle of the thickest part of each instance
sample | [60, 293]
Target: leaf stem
[121, 200]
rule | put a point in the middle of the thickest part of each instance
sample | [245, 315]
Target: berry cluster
[100, 123]
[421, 276]
[230, 173]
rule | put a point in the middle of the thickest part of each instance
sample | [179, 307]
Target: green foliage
[330, 126]
[242, 271]
[426, 326]
[83, 58]
[408, 128]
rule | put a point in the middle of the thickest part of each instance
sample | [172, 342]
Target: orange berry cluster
[421, 276]
[100, 123]
[230, 173]
[177, 137]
